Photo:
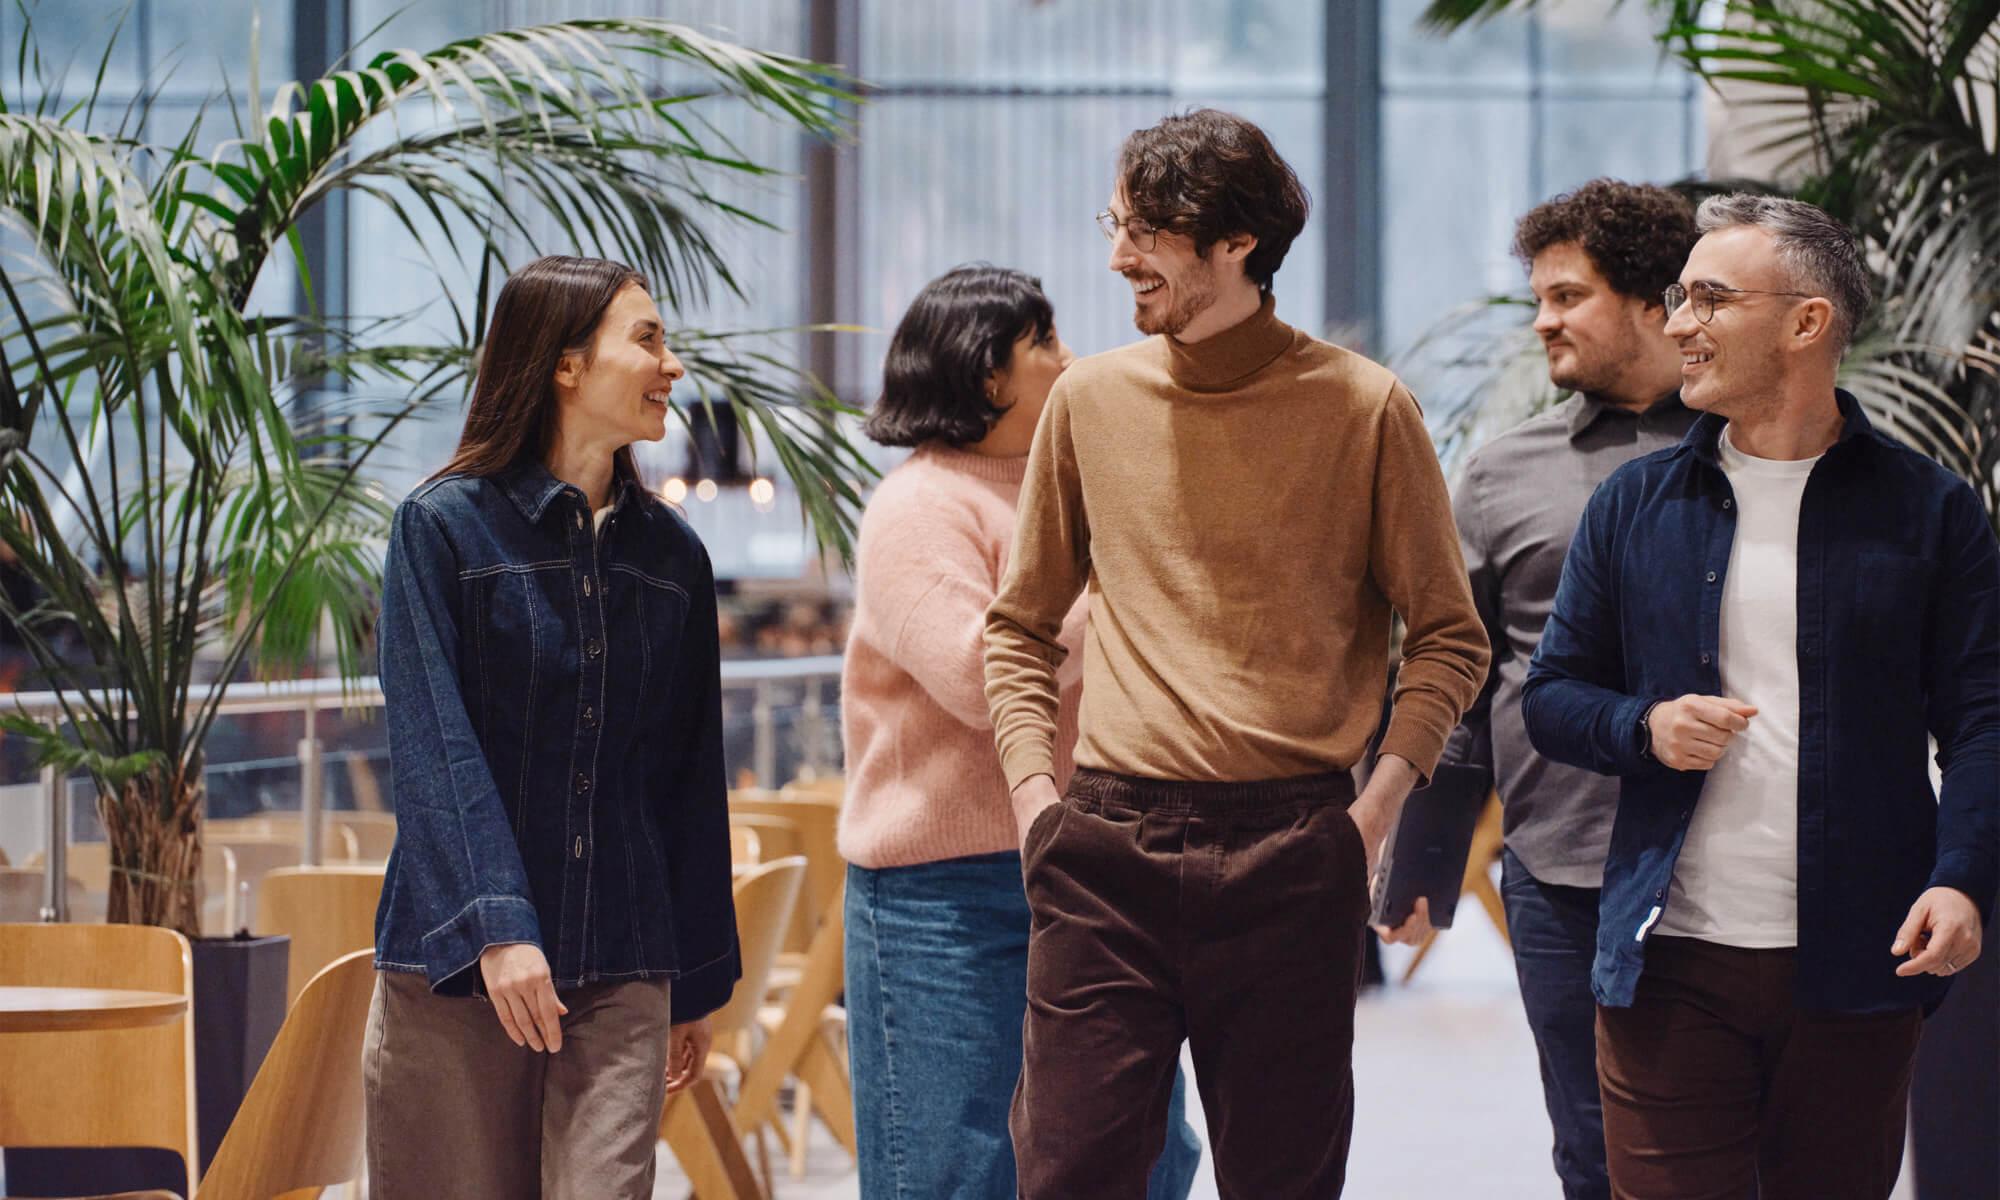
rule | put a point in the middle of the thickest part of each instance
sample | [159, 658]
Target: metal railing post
[55, 856]
[312, 788]
[814, 719]
[767, 736]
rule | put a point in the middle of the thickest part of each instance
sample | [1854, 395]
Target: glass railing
[310, 758]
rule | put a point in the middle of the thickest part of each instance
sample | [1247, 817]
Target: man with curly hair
[1598, 259]
[1247, 506]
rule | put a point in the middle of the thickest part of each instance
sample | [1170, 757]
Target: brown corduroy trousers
[1718, 1086]
[456, 1110]
[1228, 915]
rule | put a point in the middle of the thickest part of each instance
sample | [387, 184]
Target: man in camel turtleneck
[1246, 505]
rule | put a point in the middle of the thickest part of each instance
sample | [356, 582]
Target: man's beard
[1193, 292]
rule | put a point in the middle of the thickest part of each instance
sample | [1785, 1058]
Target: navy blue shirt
[553, 697]
[1898, 638]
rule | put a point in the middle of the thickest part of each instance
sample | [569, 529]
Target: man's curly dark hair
[1637, 235]
[1210, 175]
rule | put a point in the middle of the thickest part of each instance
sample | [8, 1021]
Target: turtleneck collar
[1221, 361]
[979, 466]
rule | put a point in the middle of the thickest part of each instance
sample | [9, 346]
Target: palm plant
[176, 482]
[1886, 113]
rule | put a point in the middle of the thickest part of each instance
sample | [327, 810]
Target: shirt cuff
[451, 951]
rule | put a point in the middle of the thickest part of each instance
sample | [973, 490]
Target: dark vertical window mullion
[833, 35]
[1350, 200]
[320, 33]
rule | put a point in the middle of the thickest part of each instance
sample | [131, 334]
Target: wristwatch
[1646, 732]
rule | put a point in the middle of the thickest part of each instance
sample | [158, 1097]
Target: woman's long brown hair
[547, 309]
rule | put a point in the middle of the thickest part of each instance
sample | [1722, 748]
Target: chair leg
[698, 1129]
[801, 1127]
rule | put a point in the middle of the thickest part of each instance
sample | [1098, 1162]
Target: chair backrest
[374, 834]
[816, 818]
[765, 899]
[831, 787]
[338, 842]
[746, 849]
[256, 856]
[300, 1124]
[326, 911]
[21, 895]
[113, 1087]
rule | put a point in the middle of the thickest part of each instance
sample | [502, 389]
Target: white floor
[1449, 1102]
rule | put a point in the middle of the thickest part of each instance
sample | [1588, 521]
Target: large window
[990, 132]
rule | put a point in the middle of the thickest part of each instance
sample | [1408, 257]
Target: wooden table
[69, 1009]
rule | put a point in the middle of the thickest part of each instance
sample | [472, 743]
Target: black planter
[239, 1003]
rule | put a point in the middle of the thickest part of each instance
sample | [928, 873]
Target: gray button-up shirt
[1517, 508]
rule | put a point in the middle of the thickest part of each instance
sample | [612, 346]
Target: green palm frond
[175, 475]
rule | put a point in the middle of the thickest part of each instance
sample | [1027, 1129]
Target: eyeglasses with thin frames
[1704, 295]
[1144, 234]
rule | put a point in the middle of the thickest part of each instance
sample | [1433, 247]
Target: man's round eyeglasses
[1144, 234]
[1703, 295]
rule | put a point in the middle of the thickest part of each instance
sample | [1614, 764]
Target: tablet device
[1426, 852]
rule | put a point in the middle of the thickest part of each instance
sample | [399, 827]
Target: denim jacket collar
[531, 487]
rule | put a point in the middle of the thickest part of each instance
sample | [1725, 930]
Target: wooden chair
[21, 896]
[815, 818]
[255, 856]
[328, 912]
[115, 1087]
[746, 849]
[1478, 882]
[300, 1127]
[799, 1046]
[766, 896]
[338, 841]
[374, 834]
[830, 787]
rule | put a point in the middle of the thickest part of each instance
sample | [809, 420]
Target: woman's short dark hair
[959, 330]
[1637, 235]
[1211, 175]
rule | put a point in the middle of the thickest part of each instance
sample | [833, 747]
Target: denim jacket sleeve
[456, 853]
[1572, 702]
[1962, 669]
[698, 816]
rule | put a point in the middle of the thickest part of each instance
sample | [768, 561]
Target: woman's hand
[518, 984]
[687, 1053]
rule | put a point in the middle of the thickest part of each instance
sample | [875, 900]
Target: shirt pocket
[649, 649]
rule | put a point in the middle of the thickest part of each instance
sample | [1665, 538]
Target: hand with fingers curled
[687, 1053]
[1942, 934]
[1690, 733]
[523, 994]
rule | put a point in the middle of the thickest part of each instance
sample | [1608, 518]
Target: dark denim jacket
[555, 732]
[1898, 637]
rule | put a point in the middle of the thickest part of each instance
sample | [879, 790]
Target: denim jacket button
[579, 520]
[1704, 660]
[589, 717]
[593, 647]
[586, 585]
[582, 784]
[1711, 577]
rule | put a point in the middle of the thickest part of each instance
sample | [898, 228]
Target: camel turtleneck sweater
[1245, 513]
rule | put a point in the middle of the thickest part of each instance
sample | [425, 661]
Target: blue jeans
[1554, 932]
[937, 987]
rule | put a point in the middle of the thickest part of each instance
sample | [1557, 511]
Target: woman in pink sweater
[937, 925]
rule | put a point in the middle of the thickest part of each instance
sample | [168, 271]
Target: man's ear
[1236, 247]
[1812, 324]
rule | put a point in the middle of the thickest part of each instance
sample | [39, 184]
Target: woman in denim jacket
[556, 923]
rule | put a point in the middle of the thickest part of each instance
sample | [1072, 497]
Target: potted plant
[175, 482]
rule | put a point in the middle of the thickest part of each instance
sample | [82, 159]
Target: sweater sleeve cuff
[699, 992]
[1026, 760]
[1410, 741]
[451, 951]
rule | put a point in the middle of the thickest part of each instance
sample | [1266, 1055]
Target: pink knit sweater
[923, 777]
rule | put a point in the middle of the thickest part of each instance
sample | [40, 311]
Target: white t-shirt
[1737, 880]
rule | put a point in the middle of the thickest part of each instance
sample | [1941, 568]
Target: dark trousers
[1717, 1086]
[1229, 916]
[1553, 929]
